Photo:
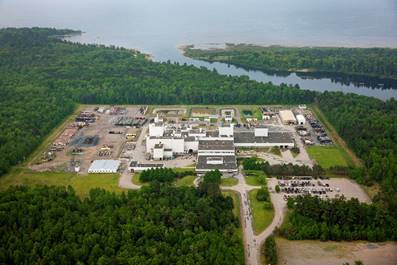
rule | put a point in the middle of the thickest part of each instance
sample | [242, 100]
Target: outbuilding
[287, 117]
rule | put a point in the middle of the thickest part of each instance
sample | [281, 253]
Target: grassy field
[346, 152]
[229, 181]
[185, 181]
[82, 184]
[262, 217]
[328, 156]
[253, 177]
[136, 179]
[275, 151]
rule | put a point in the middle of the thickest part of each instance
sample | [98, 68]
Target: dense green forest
[42, 78]
[378, 62]
[159, 224]
[338, 219]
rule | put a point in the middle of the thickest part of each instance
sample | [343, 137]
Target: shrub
[262, 195]
[270, 250]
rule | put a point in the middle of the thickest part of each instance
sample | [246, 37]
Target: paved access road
[252, 242]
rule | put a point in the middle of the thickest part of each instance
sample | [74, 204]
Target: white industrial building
[287, 117]
[300, 119]
[215, 149]
[104, 166]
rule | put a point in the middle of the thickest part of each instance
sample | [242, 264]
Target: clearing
[328, 156]
[310, 252]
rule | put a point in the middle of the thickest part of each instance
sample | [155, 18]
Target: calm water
[159, 27]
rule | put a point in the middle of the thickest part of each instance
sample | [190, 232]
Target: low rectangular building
[104, 166]
[225, 164]
[287, 117]
[250, 140]
[135, 166]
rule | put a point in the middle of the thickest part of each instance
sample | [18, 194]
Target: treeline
[378, 62]
[269, 249]
[42, 78]
[290, 169]
[163, 174]
[156, 225]
[338, 219]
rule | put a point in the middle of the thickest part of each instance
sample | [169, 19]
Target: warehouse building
[216, 154]
[263, 137]
[104, 166]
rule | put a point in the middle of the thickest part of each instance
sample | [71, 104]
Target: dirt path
[125, 181]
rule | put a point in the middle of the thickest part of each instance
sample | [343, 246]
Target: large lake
[160, 26]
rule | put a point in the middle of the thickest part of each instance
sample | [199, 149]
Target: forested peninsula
[374, 62]
[43, 79]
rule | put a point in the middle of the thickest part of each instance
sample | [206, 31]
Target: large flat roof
[216, 145]
[104, 166]
[273, 137]
[229, 162]
[287, 115]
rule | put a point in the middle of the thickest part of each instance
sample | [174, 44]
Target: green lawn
[185, 181]
[82, 184]
[275, 151]
[258, 113]
[262, 217]
[254, 177]
[229, 181]
[137, 181]
[327, 156]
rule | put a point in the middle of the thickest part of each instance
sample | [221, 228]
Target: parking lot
[324, 188]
